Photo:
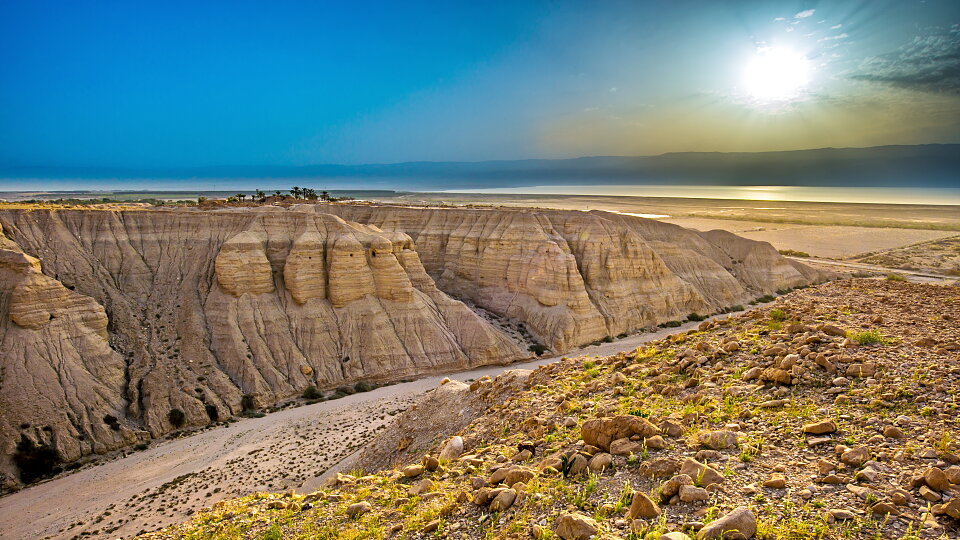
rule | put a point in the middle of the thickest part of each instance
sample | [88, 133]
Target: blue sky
[183, 84]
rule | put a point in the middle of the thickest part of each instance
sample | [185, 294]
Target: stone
[741, 521]
[624, 447]
[451, 449]
[832, 330]
[776, 481]
[701, 474]
[600, 462]
[936, 479]
[359, 508]
[884, 508]
[693, 494]
[952, 508]
[864, 370]
[855, 456]
[841, 514]
[575, 526]
[718, 440]
[642, 507]
[655, 443]
[671, 428]
[430, 463]
[600, 432]
[820, 428]
[412, 470]
[421, 487]
[503, 500]
[929, 494]
[672, 486]
[893, 432]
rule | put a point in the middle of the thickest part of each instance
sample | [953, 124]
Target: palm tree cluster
[296, 192]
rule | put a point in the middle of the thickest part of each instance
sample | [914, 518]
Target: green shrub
[311, 392]
[176, 417]
[869, 337]
[895, 277]
[765, 298]
[670, 324]
[778, 315]
[695, 317]
[364, 386]
[537, 349]
[247, 402]
[794, 253]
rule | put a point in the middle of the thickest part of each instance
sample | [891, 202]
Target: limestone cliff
[574, 277]
[204, 308]
[110, 320]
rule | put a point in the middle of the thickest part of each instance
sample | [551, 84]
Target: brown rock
[776, 481]
[359, 508]
[820, 428]
[741, 521]
[718, 440]
[601, 432]
[503, 500]
[693, 494]
[642, 507]
[576, 526]
[702, 475]
[855, 456]
[936, 479]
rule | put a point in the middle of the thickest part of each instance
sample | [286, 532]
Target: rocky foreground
[832, 414]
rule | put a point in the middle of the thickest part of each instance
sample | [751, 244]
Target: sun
[776, 74]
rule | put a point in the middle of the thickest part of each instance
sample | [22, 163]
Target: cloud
[836, 26]
[805, 14]
[929, 63]
[838, 36]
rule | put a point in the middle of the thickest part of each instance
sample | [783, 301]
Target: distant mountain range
[928, 165]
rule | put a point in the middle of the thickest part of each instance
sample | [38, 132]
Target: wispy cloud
[836, 26]
[804, 14]
[928, 62]
[836, 37]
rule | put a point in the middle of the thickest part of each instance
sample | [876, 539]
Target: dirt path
[172, 479]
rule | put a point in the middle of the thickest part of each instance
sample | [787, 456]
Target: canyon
[120, 326]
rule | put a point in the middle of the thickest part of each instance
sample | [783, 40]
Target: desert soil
[173, 479]
[829, 241]
[833, 414]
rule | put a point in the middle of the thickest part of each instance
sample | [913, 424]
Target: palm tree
[295, 191]
[241, 197]
[260, 195]
[309, 193]
[277, 193]
[325, 195]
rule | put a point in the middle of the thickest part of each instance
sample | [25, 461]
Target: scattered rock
[359, 508]
[576, 526]
[820, 428]
[642, 507]
[741, 521]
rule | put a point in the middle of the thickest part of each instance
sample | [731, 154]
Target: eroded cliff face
[114, 319]
[575, 277]
[111, 319]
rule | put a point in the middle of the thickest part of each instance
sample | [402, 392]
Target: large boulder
[741, 521]
[601, 432]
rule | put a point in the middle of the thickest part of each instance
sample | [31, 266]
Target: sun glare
[776, 74]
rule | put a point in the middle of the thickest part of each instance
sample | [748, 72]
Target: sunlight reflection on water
[880, 195]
